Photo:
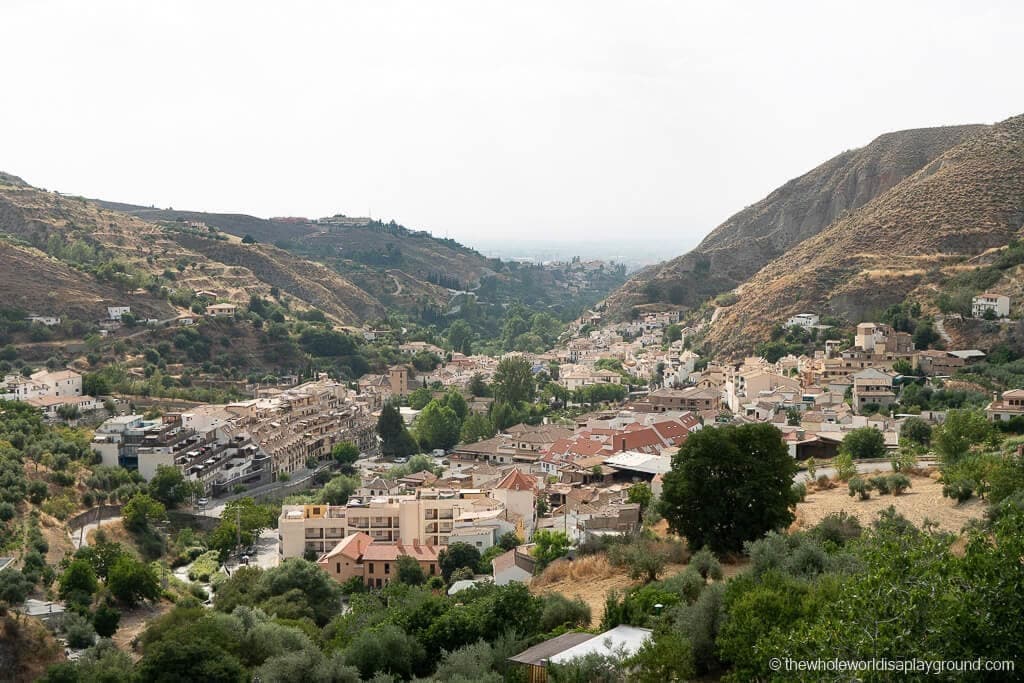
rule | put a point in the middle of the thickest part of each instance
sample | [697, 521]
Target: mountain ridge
[909, 242]
[800, 208]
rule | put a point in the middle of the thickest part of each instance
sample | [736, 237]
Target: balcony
[383, 522]
[359, 523]
[314, 533]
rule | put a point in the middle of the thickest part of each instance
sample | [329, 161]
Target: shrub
[78, 630]
[837, 528]
[800, 491]
[859, 487]
[560, 611]
[898, 483]
[845, 469]
[880, 484]
[106, 620]
[705, 562]
[960, 489]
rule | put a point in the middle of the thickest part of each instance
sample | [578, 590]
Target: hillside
[911, 241]
[362, 247]
[408, 270]
[37, 283]
[87, 257]
[803, 207]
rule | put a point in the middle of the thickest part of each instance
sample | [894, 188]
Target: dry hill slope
[36, 283]
[803, 207]
[910, 238]
[77, 232]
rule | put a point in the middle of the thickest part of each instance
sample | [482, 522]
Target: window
[387, 568]
[338, 568]
[371, 568]
[433, 569]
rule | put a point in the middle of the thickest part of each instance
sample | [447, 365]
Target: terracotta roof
[392, 551]
[577, 446]
[351, 547]
[642, 439]
[517, 481]
[671, 430]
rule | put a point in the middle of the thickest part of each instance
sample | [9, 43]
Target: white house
[803, 320]
[221, 310]
[48, 320]
[515, 565]
[62, 383]
[997, 303]
[115, 312]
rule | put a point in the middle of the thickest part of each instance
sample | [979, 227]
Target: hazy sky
[580, 120]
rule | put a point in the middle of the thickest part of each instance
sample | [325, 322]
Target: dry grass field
[923, 500]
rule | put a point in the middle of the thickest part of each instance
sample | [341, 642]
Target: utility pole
[238, 527]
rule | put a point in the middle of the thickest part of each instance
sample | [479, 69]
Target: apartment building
[873, 386]
[209, 457]
[427, 517]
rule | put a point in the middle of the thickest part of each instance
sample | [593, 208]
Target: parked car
[203, 502]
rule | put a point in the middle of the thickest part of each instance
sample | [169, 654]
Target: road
[81, 537]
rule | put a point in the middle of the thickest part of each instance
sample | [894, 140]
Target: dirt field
[57, 538]
[134, 622]
[923, 500]
[591, 578]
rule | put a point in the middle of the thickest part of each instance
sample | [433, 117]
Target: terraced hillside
[126, 257]
[957, 212]
[363, 246]
[802, 208]
[407, 270]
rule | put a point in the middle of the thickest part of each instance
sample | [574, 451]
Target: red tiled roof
[517, 481]
[351, 546]
[385, 552]
[637, 441]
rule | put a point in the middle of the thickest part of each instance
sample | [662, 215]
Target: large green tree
[460, 337]
[437, 426]
[729, 485]
[513, 381]
[477, 427]
[170, 487]
[456, 556]
[961, 430]
[864, 443]
[131, 581]
[141, 510]
[395, 439]
[345, 455]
